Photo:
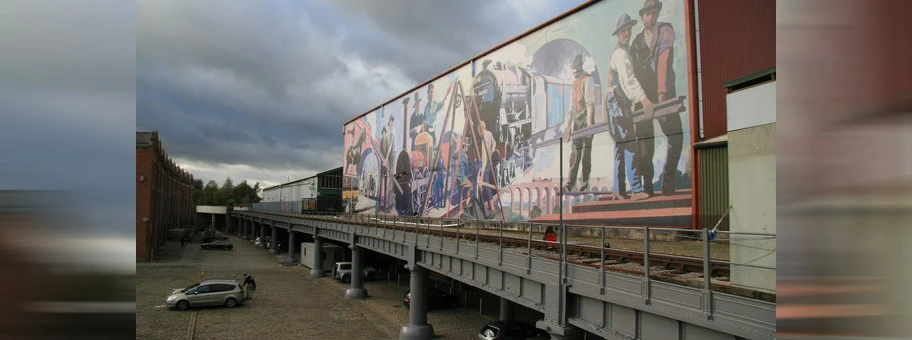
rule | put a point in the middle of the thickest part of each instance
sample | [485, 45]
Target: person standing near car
[249, 286]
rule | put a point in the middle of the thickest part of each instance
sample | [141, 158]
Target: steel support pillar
[291, 247]
[262, 235]
[273, 245]
[357, 290]
[317, 265]
[558, 332]
[418, 328]
[506, 309]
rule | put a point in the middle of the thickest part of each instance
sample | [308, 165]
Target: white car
[258, 241]
[214, 292]
[343, 270]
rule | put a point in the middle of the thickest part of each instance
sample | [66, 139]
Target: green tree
[226, 192]
[245, 194]
[255, 193]
[240, 193]
[198, 191]
[213, 194]
[210, 192]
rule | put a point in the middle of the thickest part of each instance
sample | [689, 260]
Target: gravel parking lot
[288, 304]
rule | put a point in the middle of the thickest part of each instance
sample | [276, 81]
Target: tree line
[213, 194]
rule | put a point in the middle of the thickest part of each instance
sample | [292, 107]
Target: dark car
[221, 244]
[511, 330]
[437, 299]
[213, 238]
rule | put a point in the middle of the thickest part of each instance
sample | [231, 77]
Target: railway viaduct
[571, 297]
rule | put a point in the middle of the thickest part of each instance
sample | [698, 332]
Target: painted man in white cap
[623, 91]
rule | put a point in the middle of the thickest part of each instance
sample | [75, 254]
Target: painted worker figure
[438, 200]
[463, 171]
[353, 156]
[624, 89]
[387, 140]
[430, 111]
[652, 54]
[487, 177]
[417, 121]
[582, 115]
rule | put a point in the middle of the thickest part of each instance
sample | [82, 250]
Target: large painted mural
[590, 110]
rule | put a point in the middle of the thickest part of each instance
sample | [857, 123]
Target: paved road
[288, 304]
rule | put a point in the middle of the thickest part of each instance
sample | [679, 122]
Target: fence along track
[585, 255]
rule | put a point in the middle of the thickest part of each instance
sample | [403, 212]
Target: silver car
[226, 293]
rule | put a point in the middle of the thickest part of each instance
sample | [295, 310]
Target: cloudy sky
[259, 90]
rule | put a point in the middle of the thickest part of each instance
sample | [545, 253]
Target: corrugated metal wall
[737, 38]
[713, 186]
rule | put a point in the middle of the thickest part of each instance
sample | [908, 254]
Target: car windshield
[345, 267]
[189, 288]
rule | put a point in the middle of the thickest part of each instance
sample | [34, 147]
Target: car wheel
[183, 305]
[346, 279]
[231, 303]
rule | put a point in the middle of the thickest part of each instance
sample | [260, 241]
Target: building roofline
[469, 61]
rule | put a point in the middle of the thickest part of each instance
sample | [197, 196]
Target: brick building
[164, 195]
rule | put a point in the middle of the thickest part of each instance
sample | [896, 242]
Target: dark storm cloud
[431, 36]
[269, 84]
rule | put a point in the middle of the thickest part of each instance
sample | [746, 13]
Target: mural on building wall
[605, 88]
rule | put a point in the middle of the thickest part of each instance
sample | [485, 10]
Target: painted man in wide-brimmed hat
[417, 122]
[624, 90]
[582, 115]
[652, 53]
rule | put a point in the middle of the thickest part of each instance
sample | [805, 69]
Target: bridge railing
[729, 261]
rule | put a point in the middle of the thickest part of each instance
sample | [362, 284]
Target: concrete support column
[274, 246]
[357, 290]
[262, 235]
[418, 328]
[557, 332]
[317, 266]
[291, 247]
[212, 221]
[506, 309]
